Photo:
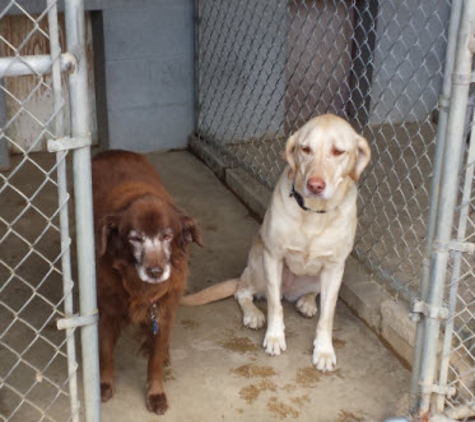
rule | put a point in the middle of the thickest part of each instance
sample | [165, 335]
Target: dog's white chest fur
[307, 241]
[306, 253]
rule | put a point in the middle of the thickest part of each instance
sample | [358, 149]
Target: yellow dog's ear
[289, 153]
[362, 158]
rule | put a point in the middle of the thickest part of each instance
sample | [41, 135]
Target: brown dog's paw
[107, 391]
[157, 403]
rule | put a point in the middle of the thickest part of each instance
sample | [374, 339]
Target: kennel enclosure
[400, 71]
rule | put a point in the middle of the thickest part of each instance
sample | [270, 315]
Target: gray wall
[149, 74]
[148, 67]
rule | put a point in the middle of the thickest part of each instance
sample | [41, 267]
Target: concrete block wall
[148, 49]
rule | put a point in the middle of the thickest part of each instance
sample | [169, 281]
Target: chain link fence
[264, 68]
[38, 368]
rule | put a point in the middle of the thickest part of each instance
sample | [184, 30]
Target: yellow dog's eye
[337, 152]
[305, 149]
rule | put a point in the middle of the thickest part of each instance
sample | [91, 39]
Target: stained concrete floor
[219, 371]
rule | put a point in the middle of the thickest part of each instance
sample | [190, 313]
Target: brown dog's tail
[211, 294]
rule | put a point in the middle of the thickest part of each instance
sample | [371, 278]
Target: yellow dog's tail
[211, 294]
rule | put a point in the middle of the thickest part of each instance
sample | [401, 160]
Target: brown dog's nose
[154, 272]
[316, 185]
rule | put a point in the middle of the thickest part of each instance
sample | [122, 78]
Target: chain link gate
[445, 368]
[39, 71]
[263, 68]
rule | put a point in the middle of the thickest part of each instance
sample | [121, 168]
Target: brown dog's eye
[167, 237]
[135, 238]
[305, 149]
[337, 152]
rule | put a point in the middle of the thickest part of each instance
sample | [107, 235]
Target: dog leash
[301, 202]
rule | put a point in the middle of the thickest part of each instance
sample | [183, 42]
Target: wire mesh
[34, 370]
[264, 69]
[458, 356]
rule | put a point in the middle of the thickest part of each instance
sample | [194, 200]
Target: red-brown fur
[128, 194]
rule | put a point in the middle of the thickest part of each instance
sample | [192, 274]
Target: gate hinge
[419, 307]
[68, 143]
[76, 321]
[441, 390]
[453, 245]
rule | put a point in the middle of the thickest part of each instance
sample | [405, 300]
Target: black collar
[300, 201]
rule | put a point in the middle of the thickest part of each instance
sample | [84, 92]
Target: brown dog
[141, 262]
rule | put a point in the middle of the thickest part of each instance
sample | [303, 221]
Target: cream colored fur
[299, 254]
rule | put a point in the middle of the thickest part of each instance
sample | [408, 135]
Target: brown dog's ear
[106, 226]
[289, 154]
[189, 232]
[362, 159]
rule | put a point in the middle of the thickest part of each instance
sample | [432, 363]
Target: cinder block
[255, 195]
[149, 32]
[173, 79]
[362, 294]
[397, 329]
[215, 162]
[129, 84]
[147, 129]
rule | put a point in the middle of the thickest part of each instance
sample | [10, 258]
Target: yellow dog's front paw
[274, 344]
[324, 358]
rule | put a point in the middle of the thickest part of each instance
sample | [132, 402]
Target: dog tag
[155, 326]
[154, 318]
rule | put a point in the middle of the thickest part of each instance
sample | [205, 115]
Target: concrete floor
[219, 370]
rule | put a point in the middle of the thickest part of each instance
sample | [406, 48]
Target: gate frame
[440, 243]
[74, 64]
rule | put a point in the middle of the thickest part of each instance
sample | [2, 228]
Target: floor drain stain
[281, 409]
[251, 392]
[251, 371]
[240, 345]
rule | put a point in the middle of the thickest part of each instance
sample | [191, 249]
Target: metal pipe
[196, 63]
[80, 127]
[63, 198]
[33, 65]
[444, 99]
[461, 231]
[447, 196]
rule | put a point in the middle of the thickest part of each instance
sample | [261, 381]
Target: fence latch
[76, 321]
[465, 247]
[441, 390]
[419, 307]
[68, 143]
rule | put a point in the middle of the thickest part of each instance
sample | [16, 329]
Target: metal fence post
[63, 198]
[80, 127]
[447, 201]
[444, 102]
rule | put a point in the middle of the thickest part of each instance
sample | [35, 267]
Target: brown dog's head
[323, 153]
[148, 234]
